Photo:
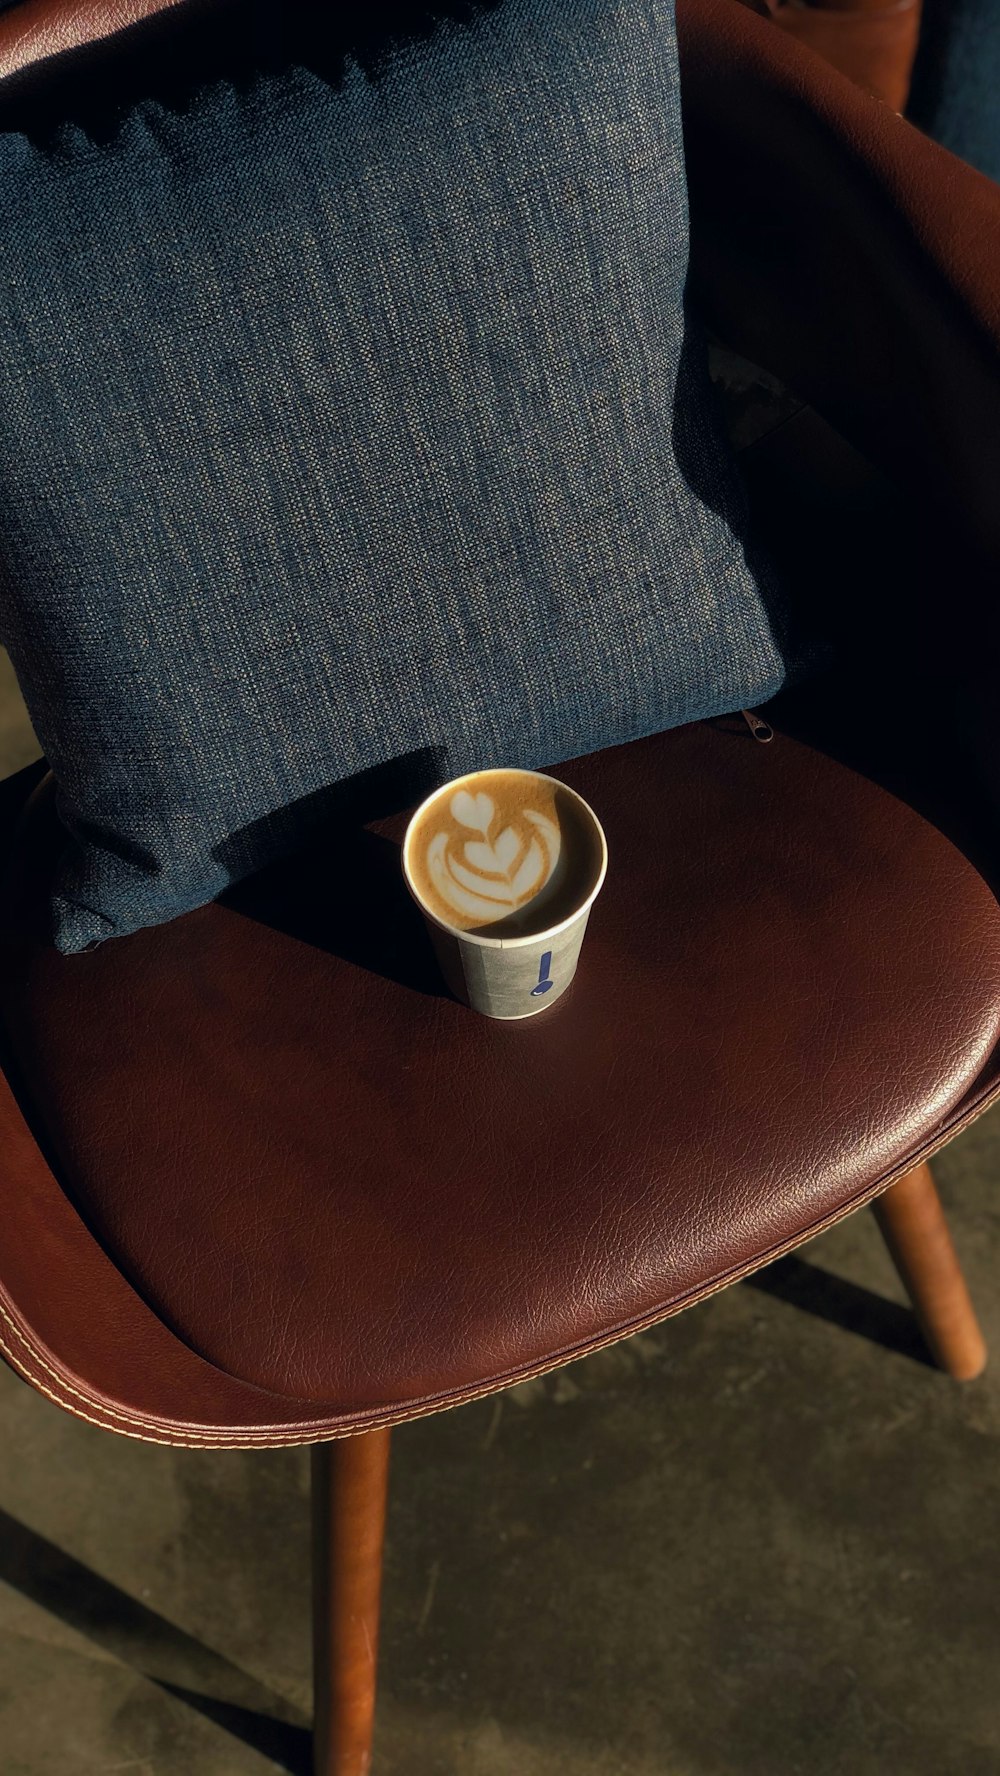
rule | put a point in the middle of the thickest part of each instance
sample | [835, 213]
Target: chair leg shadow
[847, 1305]
[147, 1643]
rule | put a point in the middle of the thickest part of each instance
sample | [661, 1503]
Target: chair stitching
[122, 1420]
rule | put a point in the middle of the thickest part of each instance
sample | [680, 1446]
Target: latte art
[485, 867]
[503, 853]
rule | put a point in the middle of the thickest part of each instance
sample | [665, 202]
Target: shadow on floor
[231, 1698]
[843, 1304]
[149, 1644]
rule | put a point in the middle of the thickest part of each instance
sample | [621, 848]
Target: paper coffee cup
[512, 973]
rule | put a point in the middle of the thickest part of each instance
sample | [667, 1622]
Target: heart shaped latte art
[487, 878]
[493, 859]
[477, 811]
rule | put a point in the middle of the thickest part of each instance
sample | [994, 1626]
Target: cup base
[512, 1017]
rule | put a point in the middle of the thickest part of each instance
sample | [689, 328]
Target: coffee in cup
[505, 865]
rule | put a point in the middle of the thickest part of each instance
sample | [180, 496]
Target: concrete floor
[758, 1541]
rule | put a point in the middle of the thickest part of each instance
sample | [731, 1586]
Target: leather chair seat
[311, 1192]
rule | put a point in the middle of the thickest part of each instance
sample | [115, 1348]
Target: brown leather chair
[264, 1183]
[873, 42]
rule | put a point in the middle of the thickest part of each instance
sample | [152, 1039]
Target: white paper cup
[512, 976]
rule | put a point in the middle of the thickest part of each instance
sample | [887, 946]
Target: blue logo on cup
[544, 981]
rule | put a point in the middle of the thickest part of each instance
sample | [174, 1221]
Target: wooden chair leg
[349, 1491]
[914, 1229]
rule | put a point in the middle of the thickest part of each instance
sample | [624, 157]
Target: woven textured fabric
[956, 82]
[350, 423]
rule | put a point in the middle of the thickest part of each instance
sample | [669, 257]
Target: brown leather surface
[844, 251]
[873, 42]
[35, 29]
[334, 1183]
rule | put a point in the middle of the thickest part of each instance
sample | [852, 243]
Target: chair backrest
[873, 42]
[839, 247]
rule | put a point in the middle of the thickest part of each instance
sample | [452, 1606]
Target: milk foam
[484, 869]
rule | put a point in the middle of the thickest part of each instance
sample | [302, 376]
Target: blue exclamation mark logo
[544, 981]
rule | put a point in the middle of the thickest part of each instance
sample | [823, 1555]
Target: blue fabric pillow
[955, 94]
[357, 420]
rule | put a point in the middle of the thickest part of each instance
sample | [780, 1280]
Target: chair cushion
[337, 1184]
[354, 417]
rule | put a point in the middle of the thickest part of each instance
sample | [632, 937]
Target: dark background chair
[815, 1012]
